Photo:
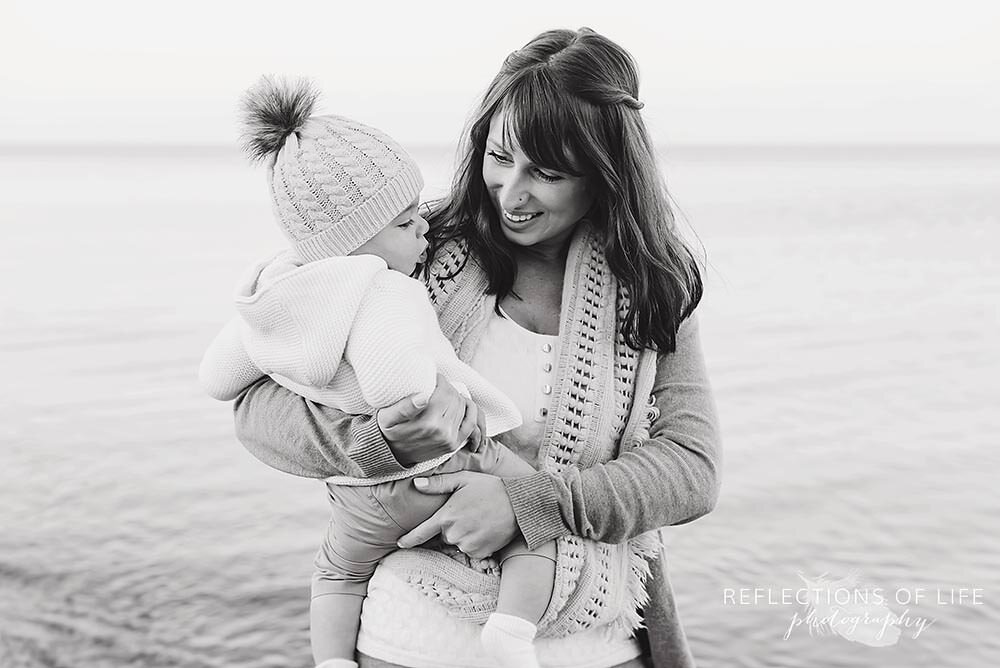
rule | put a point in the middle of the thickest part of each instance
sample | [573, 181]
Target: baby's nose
[422, 226]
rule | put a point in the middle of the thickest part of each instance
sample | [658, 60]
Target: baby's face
[401, 243]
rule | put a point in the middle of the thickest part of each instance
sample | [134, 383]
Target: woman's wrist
[536, 508]
[371, 450]
[401, 455]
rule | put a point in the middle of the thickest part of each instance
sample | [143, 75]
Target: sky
[733, 72]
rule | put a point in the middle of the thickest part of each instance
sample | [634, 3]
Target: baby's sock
[337, 663]
[508, 640]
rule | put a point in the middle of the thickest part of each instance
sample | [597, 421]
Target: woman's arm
[672, 478]
[297, 436]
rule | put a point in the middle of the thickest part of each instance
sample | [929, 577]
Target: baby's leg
[526, 576]
[526, 581]
[358, 536]
[333, 628]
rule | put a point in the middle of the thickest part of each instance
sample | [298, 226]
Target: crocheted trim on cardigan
[602, 392]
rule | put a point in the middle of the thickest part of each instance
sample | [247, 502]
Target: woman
[556, 271]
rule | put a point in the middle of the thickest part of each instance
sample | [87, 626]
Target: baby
[338, 320]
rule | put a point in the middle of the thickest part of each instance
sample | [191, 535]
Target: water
[850, 328]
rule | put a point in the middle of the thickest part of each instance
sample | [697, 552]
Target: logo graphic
[850, 609]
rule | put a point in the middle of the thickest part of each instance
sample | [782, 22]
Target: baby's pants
[367, 521]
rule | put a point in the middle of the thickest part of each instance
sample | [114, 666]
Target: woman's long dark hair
[571, 103]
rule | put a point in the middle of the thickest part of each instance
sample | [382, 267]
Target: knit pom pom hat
[335, 183]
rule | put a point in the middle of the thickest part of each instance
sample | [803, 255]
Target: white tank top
[399, 624]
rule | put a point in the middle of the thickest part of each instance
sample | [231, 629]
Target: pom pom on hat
[272, 110]
[339, 183]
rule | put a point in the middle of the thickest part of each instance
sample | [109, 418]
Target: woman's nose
[513, 194]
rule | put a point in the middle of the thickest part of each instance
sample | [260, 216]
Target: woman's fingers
[478, 437]
[423, 532]
[459, 416]
[402, 411]
[452, 412]
[469, 429]
[418, 433]
[443, 483]
[477, 518]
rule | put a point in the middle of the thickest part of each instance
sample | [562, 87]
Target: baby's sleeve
[388, 347]
[226, 369]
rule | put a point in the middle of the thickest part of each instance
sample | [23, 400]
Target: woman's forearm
[303, 438]
[672, 478]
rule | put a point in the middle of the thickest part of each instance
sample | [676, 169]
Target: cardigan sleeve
[672, 478]
[297, 436]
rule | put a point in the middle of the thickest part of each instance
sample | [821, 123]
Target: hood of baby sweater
[297, 316]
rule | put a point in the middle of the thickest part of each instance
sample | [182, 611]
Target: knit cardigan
[671, 479]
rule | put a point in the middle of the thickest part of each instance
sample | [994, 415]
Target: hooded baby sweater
[346, 332]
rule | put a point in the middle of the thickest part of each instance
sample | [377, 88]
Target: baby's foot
[508, 640]
[337, 663]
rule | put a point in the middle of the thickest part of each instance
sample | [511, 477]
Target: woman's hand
[443, 423]
[478, 518]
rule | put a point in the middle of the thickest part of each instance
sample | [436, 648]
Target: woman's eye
[547, 178]
[500, 158]
[408, 223]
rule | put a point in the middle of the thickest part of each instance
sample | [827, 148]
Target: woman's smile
[519, 220]
[520, 217]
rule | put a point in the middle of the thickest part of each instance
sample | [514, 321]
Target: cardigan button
[547, 367]
[546, 389]
[546, 347]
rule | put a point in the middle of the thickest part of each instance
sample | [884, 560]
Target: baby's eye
[408, 223]
[499, 157]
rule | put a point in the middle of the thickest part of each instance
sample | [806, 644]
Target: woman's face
[537, 206]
